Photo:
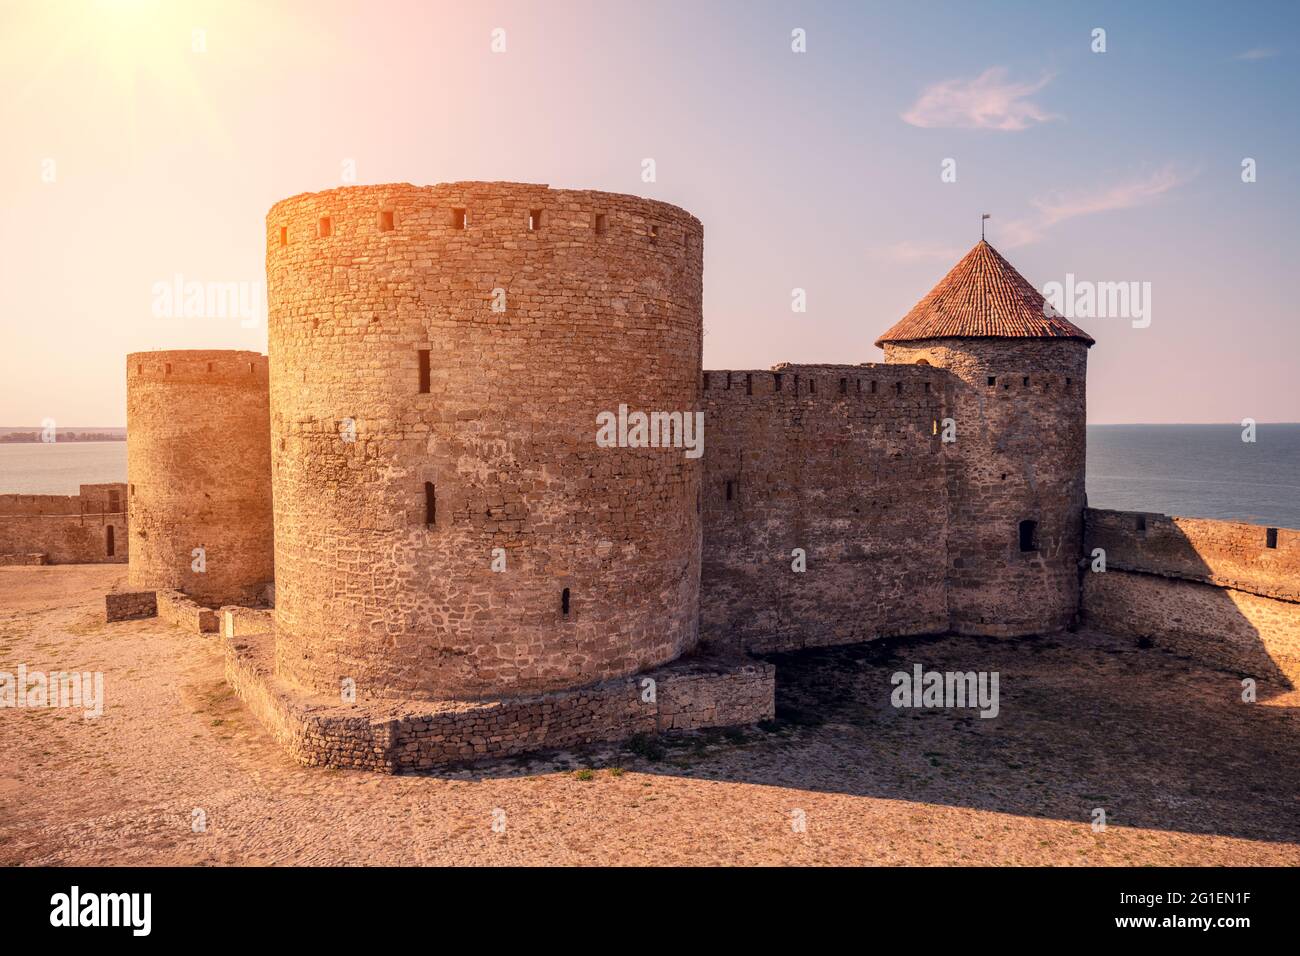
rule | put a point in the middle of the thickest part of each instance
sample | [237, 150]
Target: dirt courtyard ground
[1186, 772]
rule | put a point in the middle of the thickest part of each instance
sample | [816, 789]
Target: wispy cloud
[1257, 53]
[1062, 207]
[989, 101]
[910, 250]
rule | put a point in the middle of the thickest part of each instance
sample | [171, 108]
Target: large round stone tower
[199, 474]
[1016, 470]
[446, 524]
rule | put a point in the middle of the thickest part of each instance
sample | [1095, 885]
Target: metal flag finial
[982, 218]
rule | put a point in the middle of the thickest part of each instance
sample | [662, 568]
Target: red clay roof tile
[983, 296]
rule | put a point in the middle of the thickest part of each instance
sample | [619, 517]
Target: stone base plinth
[130, 605]
[180, 610]
[394, 736]
[34, 558]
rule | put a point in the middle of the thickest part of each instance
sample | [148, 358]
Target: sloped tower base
[397, 736]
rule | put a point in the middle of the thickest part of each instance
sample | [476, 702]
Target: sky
[146, 140]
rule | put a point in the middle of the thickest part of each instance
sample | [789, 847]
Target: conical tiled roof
[982, 297]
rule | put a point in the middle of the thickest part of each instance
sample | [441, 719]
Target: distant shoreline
[34, 438]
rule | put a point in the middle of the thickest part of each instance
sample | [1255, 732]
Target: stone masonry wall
[86, 528]
[438, 359]
[130, 605]
[844, 462]
[1226, 553]
[1213, 590]
[395, 735]
[1235, 630]
[1020, 412]
[199, 473]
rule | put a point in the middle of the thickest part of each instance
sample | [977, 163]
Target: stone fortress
[417, 553]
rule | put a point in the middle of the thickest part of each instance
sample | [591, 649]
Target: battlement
[85, 528]
[98, 499]
[397, 220]
[198, 367]
[1245, 557]
[875, 382]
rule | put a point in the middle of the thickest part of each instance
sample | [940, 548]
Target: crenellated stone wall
[1213, 590]
[86, 528]
[844, 463]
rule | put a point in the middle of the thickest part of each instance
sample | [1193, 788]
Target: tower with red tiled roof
[1015, 472]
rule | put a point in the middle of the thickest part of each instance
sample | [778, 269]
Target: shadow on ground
[1086, 720]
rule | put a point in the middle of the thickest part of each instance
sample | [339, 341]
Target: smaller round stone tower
[1016, 471]
[198, 446]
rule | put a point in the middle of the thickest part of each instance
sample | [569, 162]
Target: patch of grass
[586, 773]
[616, 771]
[647, 747]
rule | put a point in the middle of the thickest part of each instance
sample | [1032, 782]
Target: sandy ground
[1187, 773]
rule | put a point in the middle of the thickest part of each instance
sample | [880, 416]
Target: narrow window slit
[430, 503]
[1028, 535]
[424, 371]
